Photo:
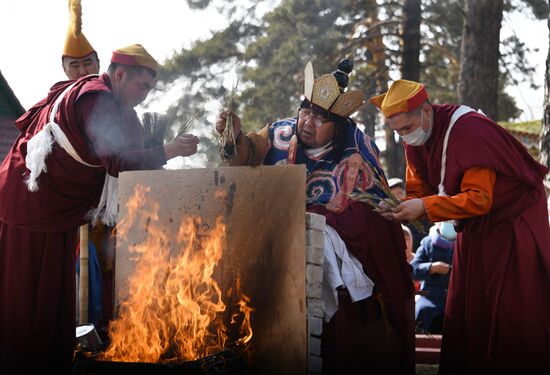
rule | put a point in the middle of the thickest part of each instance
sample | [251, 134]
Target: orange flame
[174, 309]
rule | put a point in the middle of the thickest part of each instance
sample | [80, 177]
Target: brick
[315, 307]
[315, 255]
[315, 221]
[314, 344]
[314, 273]
[314, 326]
[313, 290]
[315, 238]
[315, 364]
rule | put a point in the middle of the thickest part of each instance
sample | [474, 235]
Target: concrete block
[314, 344]
[314, 273]
[315, 255]
[315, 221]
[315, 238]
[315, 307]
[314, 326]
[313, 289]
[315, 365]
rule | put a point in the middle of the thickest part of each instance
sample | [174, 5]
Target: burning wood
[173, 310]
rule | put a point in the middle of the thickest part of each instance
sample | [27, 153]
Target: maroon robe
[497, 318]
[38, 229]
[359, 339]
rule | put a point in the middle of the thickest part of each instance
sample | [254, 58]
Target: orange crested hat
[403, 96]
[135, 55]
[76, 44]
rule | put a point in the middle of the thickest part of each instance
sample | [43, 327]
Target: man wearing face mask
[432, 265]
[462, 166]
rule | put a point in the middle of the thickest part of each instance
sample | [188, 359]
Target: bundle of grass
[154, 128]
[374, 200]
[228, 135]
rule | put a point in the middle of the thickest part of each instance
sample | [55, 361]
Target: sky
[33, 32]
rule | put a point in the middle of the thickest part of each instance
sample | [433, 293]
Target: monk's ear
[119, 73]
[427, 108]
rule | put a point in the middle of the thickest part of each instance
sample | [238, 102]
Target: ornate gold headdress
[328, 93]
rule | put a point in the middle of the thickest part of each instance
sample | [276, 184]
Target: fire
[174, 308]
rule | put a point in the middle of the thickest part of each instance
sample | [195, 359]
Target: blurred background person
[397, 186]
[432, 265]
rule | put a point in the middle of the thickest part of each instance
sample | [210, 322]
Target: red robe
[38, 229]
[497, 318]
[380, 247]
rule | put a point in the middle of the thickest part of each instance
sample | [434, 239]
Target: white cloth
[341, 268]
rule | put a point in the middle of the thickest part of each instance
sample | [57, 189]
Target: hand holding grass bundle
[186, 126]
[154, 128]
[374, 200]
[392, 201]
[228, 134]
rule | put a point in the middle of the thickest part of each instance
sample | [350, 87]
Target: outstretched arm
[249, 149]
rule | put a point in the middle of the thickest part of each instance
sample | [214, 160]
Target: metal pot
[87, 338]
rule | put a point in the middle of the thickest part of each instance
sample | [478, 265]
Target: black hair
[345, 67]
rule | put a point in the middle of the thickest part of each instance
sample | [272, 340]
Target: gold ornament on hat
[347, 103]
[325, 93]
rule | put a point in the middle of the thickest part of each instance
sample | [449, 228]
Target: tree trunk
[410, 69]
[410, 66]
[375, 44]
[369, 114]
[545, 128]
[478, 85]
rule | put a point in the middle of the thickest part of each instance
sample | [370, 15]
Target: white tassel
[38, 148]
[107, 209]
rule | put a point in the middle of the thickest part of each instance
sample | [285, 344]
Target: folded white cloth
[341, 268]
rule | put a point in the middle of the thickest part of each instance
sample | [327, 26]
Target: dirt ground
[426, 369]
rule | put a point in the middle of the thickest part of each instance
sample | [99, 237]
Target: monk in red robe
[59, 173]
[462, 166]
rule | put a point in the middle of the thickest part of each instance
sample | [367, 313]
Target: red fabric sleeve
[114, 137]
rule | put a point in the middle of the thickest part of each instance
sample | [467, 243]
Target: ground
[426, 369]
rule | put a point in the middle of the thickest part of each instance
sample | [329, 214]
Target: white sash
[462, 110]
[39, 147]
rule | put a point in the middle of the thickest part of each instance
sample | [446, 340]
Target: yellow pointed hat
[76, 44]
[135, 55]
[403, 96]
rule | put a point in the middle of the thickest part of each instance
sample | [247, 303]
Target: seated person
[397, 187]
[409, 242]
[432, 265]
[365, 328]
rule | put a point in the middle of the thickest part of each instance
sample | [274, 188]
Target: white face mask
[447, 230]
[418, 136]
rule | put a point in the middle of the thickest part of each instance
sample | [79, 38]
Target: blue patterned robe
[325, 177]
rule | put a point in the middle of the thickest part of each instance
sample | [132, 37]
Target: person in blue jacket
[432, 265]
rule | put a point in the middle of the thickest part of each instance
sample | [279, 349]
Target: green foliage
[269, 54]
[531, 127]
[295, 32]
[538, 8]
